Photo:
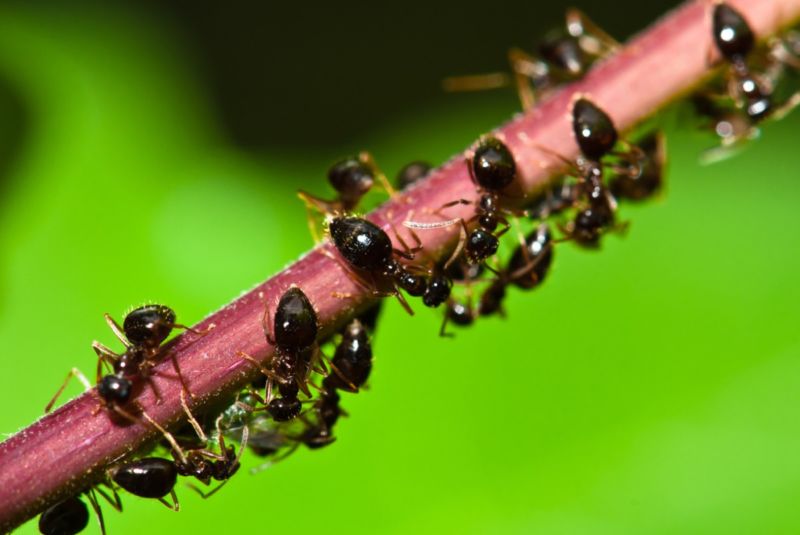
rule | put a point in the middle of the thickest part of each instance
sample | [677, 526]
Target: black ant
[752, 92]
[367, 248]
[294, 336]
[352, 361]
[352, 178]
[596, 137]
[142, 333]
[148, 477]
[412, 173]
[71, 516]
[527, 268]
[563, 58]
[492, 168]
[205, 465]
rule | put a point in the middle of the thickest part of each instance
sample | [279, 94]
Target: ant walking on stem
[493, 169]
[563, 57]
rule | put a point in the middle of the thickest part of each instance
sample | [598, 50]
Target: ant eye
[594, 130]
[149, 325]
[493, 165]
[732, 34]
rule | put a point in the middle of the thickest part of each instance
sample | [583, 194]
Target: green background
[152, 152]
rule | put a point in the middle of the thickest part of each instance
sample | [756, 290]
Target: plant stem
[69, 449]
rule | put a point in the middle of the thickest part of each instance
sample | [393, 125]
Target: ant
[412, 173]
[148, 477]
[752, 92]
[71, 516]
[294, 336]
[563, 58]
[367, 248]
[596, 137]
[205, 465]
[142, 333]
[527, 268]
[352, 361]
[352, 178]
[492, 168]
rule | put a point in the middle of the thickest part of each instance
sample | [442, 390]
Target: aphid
[493, 169]
[149, 477]
[752, 92]
[294, 336]
[352, 178]
[561, 58]
[367, 248]
[412, 173]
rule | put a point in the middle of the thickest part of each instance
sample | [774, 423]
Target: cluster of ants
[296, 402]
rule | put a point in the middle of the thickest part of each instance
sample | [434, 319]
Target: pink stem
[69, 449]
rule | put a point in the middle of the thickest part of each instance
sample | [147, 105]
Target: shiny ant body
[294, 336]
[493, 169]
[368, 249]
[526, 269]
[148, 477]
[562, 58]
[352, 178]
[752, 91]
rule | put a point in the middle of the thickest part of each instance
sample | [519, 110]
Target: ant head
[351, 177]
[732, 34]
[594, 130]
[565, 53]
[149, 325]
[493, 165]
[114, 390]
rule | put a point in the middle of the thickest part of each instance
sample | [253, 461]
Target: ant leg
[74, 372]
[254, 362]
[403, 302]
[266, 319]
[525, 68]
[591, 38]
[475, 82]
[104, 356]
[192, 420]
[117, 330]
[784, 109]
[367, 159]
[97, 511]
[166, 434]
[350, 386]
[315, 204]
[192, 330]
[276, 459]
[462, 240]
[116, 503]
[573, 169]
[174, 506]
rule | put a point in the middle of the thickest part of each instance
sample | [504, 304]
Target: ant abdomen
[150, 477]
